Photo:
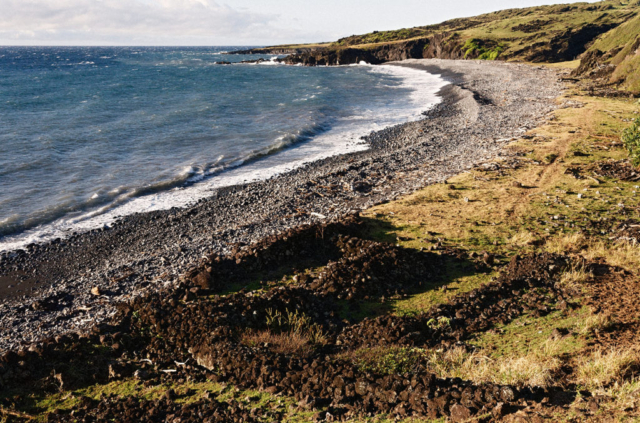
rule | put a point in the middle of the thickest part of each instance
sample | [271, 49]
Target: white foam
[271, 62]
[345, 138]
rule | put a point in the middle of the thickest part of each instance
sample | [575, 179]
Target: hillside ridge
[605, 36]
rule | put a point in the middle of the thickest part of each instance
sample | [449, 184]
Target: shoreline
[257, 165]
[483, 107]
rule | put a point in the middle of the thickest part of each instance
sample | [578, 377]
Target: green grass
[457, 276]
[525, 333]
[622, 36]
[631, 140]
[621, 43]
[476, 48]
[506, 221]
[40, 406]
[628, 74]
[188, 392]
[363, 309]
[388, 360]
[389, 419]
[382, 37]
[459, 280]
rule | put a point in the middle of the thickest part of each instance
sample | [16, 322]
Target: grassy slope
[619, 37]
[628, 73]
[529, 34]
[620, 45]
[517, 29]
[519, 32]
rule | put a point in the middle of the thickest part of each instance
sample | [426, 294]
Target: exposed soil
[617, 169]
[628, 231]
[614, 293]
[567, 45]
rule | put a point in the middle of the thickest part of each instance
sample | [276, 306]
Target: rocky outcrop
[565, 46]
[443, 46]
[594, 64]
[275, 50]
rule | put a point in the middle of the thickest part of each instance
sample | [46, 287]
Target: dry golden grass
[295, 323]
[603, 368]
[573, 64]
[576, 276]
[566, 243]
[622, 254]
[281, 343]
[522, 239]
[624, 396]
[290, 332]
[488, 222]
[594, 323]
[533, 369]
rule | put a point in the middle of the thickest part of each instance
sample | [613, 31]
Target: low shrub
[294, 322]
[485, 50]
[631, 140]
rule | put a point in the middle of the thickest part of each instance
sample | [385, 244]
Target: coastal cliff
[562, 47]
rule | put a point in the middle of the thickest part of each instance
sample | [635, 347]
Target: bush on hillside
[631, 140]
[483, 49]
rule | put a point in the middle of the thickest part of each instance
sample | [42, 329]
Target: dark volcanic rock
[438, 46]
[162, 410]
[201, 339]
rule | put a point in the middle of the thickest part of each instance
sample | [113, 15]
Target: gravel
[46, 290]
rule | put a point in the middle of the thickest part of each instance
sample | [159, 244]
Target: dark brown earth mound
[310, 244]
[614, 295]
[498, 302]
[369, 270]
[188, 333]
[131, 410]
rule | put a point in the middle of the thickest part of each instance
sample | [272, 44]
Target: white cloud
[133, 21]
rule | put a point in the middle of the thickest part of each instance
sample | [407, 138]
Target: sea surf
[90, 134]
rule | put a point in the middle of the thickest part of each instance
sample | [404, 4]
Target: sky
[222, 23]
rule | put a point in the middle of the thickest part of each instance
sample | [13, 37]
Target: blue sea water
[88, 133]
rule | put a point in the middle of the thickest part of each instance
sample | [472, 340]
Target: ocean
[88, 134]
